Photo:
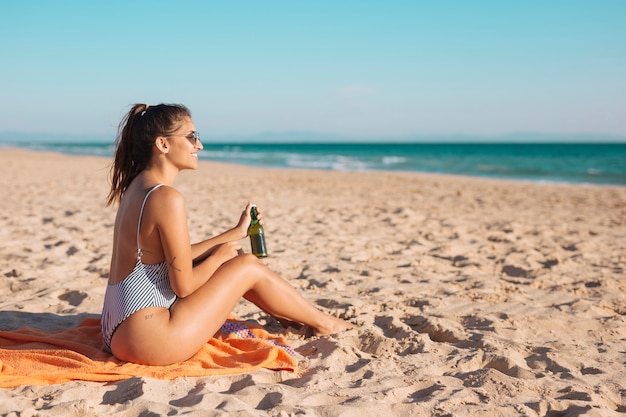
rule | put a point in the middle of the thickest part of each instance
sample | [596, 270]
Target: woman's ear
[162, 144]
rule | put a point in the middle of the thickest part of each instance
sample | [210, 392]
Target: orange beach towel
[35, 357]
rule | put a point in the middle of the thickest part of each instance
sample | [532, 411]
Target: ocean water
[540, 162]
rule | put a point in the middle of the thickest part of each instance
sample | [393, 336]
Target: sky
[356, 69]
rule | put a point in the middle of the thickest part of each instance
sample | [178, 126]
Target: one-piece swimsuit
[148, 285]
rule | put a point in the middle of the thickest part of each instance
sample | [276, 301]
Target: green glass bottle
[257, 235]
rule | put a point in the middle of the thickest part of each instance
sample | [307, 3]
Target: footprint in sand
[193, 397]
[507, 366]
[74, 298]
[438, 329]
[374, 344]
[126, 391]
[540, 361]
[514, 271]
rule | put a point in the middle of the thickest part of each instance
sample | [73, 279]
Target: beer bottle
[257, 235]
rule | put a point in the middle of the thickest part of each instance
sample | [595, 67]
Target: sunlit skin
[209, 289]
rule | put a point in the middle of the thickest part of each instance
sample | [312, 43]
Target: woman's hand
[224, 252]
[246, 219]
[208, 247]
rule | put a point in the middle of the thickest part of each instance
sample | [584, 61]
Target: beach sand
[471, 297]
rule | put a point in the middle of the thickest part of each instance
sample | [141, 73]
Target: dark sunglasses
[193, 137]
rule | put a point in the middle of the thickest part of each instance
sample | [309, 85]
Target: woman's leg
[197, 317]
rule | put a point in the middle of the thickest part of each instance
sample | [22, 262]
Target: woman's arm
[201, 250]
[190, 266]
[171, 222]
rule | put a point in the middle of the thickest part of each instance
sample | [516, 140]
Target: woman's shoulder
[166, 197]
[165, 190]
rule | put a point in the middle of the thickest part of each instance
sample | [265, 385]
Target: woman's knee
[251, 269]
[247, 261]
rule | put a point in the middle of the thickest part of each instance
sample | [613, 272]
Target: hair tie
[145, 110]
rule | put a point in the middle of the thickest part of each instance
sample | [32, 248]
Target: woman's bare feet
[332, 325]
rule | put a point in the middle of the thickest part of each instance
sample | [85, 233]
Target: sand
[471, 297]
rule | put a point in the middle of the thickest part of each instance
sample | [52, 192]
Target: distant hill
[315, 137]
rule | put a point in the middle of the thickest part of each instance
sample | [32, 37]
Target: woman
[166, 297]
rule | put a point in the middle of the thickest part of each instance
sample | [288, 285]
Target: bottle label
[257, 242]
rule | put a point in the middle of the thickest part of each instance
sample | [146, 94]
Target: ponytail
[135, 139]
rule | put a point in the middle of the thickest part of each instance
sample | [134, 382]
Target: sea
[579, 163]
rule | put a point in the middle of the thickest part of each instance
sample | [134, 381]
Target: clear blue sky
[355, 68]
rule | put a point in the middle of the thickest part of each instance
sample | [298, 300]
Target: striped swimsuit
[148, 285]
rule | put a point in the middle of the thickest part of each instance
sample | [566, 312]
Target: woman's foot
[332, 325]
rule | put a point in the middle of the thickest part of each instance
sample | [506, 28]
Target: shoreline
[470, 296]
[260, 166]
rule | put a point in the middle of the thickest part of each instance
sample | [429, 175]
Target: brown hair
[135, 138]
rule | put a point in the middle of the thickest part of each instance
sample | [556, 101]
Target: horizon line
[303, 136]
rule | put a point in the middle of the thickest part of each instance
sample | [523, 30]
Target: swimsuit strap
[139, 253]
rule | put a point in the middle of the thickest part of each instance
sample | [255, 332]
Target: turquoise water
[578, 163]
[542, 162]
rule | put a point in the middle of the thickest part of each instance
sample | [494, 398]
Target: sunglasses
[193, 137]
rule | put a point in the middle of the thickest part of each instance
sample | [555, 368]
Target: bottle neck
[253, 214]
